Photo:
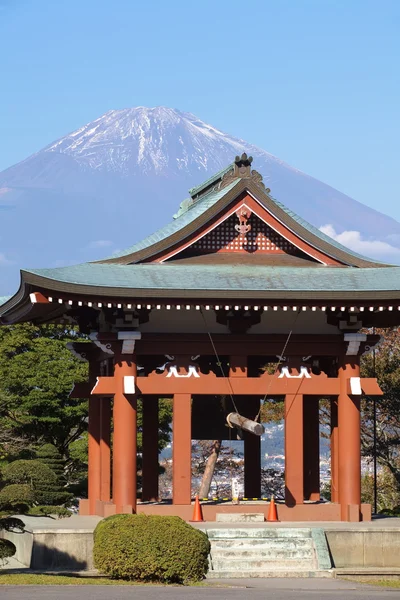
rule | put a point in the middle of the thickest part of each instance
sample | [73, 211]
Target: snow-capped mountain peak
[160, 140]
[123, 175]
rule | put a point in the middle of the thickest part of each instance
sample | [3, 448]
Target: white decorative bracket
[128, 341]
[173, 372]
[303, 373]
[355, 386]
[129, 384]
[354, 340]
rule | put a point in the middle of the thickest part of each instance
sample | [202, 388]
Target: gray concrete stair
[267, 552]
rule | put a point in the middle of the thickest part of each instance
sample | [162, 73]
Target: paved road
[267, 589]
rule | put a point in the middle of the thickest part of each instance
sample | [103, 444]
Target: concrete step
[261, 532]
[255, 553]
[240, 517]
[248, 573]
[276, 544]
[240, 564]
[268, 552]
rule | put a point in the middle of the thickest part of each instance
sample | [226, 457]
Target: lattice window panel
[261, 238]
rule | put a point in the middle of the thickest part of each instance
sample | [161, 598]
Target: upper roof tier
[213, 198]
[229, 239]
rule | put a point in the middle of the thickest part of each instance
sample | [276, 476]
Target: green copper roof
[319, 233]
[195, 190]
[195, 210]
[191, 210]
[218, 279]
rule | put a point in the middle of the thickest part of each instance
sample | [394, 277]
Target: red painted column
[150, 448]
[94, 460]
[105, 454]
[125, 437]
[349, 442]
[334, 451]
[182, 449]
[311, 448]
[294, 478]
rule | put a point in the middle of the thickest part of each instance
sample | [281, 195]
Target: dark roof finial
[243, 165]
[243, 161]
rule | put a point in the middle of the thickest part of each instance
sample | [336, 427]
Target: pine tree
[54, 493]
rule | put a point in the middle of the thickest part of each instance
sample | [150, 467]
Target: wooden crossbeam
[209, 384]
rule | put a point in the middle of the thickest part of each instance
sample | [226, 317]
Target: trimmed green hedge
[150, 548]
[40, 477]
[7, 549]
[16, 497]
[59, 511]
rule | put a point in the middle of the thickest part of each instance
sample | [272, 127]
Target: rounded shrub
[150, 548]
[31, 472]
[7, 549]
[16, 497]
[40, 477]
[54, 511]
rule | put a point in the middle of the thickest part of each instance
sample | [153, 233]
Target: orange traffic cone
[197, 513]
[272, 514]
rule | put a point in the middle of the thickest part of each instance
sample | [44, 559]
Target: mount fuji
[120, 177]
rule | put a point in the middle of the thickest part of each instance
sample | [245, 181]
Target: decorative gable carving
[243, 232]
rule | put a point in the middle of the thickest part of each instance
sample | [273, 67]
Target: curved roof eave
[155, 280]
[208, 207]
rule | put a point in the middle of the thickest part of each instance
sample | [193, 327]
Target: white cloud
[354, 241]
[100, 244]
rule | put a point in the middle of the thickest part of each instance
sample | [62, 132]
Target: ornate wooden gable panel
[246, 227]
[243, 232]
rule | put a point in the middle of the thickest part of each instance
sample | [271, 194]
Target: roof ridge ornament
[242, 169]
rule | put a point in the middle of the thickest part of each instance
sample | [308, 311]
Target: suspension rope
[281, 356]
[219, 361]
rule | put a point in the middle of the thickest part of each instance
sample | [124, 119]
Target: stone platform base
[67, 544]
[311, 511]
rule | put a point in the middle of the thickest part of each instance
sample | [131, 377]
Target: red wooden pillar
[349, 442]
[125, 435]
[294, 479]
[150, 448]
[105, 454]
[182, 449]
[334, 451]
[94, 454]
[311, 448]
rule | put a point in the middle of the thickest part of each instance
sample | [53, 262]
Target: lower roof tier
[211, 281]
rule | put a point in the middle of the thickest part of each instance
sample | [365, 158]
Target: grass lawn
[34, 579]
[393, 583]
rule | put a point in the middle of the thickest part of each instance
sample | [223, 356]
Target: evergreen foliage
[41, 479]
[37, 373]
[17, 497]
[384, 363]
[45, 511]
[150, 548]
[7, 548]
[50, 456]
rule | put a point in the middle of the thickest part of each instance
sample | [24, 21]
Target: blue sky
[315, 82]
